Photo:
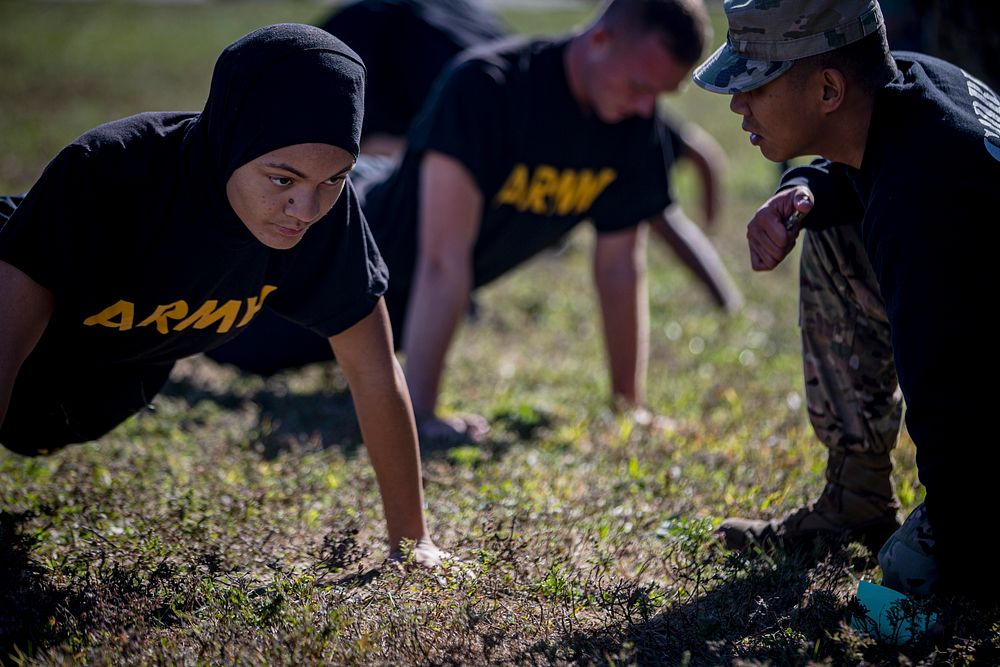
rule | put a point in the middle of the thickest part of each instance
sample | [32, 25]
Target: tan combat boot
[857, 504]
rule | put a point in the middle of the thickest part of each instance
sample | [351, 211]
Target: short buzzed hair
[682, 24]
[867, 62]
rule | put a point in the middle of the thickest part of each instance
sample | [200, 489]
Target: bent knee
[907, 560]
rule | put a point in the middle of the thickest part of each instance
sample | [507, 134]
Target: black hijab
[278, 86]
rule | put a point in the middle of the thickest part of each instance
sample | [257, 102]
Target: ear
[600, 36]
[834, 89]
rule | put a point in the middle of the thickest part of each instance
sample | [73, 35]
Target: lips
[290, 232]
[755, 138]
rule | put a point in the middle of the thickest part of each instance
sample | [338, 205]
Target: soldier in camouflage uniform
[877, 209]
[852, 399]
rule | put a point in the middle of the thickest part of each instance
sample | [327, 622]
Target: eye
[281, 181]
[335, 180]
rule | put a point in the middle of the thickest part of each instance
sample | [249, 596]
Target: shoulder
[461, 22]
[149, 127]
[134, 139]
[934, 91]
[506, 60]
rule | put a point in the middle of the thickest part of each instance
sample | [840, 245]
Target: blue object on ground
[889, 620]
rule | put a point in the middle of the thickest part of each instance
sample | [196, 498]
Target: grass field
[240, 521]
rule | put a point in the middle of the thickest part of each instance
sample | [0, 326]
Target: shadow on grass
[104, 602]
[311, 408]
[787, 609]
[286, 420]
[29, 605]
[325, 417]
[508, 427]
[770, 610]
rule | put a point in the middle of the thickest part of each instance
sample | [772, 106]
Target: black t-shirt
[543, 165]
[928, 199]
[405, 44]
[148, 265]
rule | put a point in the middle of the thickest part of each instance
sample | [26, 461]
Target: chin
[277, 242]
[283, 244]
[612, 118]
[606, 114]
[774, 156]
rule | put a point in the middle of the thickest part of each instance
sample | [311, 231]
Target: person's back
[405, 44]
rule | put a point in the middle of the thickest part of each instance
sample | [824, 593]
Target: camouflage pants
[852, 391]
[850, 379]
[907, 562]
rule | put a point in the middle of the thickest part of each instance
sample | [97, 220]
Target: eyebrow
[288, 167]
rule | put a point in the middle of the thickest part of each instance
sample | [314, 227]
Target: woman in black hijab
[162, 235]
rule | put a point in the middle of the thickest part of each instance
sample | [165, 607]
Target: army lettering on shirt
[550, 191]
[189, 275]
[178, 315]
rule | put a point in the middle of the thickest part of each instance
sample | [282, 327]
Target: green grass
[240, 522]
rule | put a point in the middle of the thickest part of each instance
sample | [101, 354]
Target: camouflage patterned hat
[766, 36]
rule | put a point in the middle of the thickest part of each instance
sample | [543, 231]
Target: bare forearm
[390, 437]
[620, 277]
[364, 352]
[626, 338]
[709, 161]
[697, 253]
[439, 297]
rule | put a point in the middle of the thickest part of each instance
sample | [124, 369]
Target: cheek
[614, 87]
[331, 197]
[268, 205]
[253, 206]
[241, 197]
[262, 204]
[598, 86]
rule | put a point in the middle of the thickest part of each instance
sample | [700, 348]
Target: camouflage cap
[766, 36]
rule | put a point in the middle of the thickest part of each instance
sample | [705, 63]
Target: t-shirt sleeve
[464, 119]
[40, 238]
[642, 188]
[337, 277]
[837, 202]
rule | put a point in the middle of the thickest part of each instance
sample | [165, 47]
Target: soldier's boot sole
[740, 534]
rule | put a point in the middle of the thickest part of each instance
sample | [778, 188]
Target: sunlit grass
[241, 522]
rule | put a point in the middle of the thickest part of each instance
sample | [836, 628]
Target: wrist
[623, 402]
[417, 532]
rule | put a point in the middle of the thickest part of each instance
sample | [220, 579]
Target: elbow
[443, 268]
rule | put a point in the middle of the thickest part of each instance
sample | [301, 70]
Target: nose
[738, 104]
[303, 206]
